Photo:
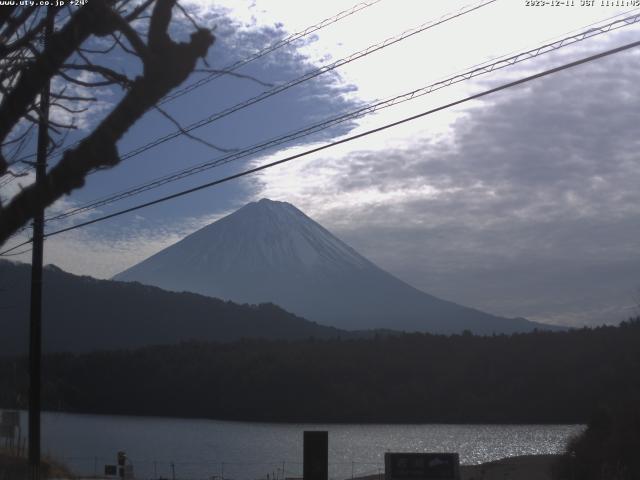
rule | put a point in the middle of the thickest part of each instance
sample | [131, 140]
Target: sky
[523, 203]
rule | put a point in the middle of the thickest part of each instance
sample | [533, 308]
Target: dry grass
[13, 467]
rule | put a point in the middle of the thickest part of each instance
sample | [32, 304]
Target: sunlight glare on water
[201, 449]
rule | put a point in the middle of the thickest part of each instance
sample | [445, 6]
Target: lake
[202, 449]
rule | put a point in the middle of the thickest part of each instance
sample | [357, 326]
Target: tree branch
[107, 73]
[69, 109]
[134, 39]
[167, 66]
[24, 40]
[138, 10]
[16, 174]
[61, 96]
[13, 24]
[215, 72]
[5, 14]
[93, 18]
[82, 83]
[190, 135]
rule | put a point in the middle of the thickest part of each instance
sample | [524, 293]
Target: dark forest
[539, 377]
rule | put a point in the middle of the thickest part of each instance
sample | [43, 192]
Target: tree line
[539, 377]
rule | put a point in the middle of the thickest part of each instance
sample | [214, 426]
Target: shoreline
[523, 467]
[299, 422]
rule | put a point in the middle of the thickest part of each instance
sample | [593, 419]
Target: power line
[273, 47]
[603, 25]
[314, 73]
[358, 113]
[26, 250]
[5, 253]
[304, 78]
[10, 178]
[240, 63]
[344, 140]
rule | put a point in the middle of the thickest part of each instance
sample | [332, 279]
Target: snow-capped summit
[270, 251]
[280, 236]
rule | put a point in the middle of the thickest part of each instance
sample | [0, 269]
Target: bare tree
[137, 28]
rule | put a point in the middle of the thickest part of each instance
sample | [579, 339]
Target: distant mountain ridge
[270, 251]
[82, 314]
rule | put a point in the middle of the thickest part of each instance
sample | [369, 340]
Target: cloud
[522, 204]
[525, 209]
[83, 115]
[102, 251]
[107, 252]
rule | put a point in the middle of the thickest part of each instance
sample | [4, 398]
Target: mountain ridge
[82, 314]
[270, 251]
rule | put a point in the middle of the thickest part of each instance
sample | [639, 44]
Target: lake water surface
[202, 449]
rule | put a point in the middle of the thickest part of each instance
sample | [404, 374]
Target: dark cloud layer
[537, 210]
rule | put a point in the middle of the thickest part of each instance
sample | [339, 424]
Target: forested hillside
[82, 314]
[537, 377]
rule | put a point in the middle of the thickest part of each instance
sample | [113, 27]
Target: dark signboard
[316, 455]
[422, 466]
[10, 418]
[7, 431]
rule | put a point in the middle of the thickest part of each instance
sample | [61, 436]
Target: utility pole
[35, 320]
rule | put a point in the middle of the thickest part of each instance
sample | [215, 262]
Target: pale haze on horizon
[523, 204]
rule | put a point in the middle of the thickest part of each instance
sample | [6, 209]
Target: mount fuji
[270, 251]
